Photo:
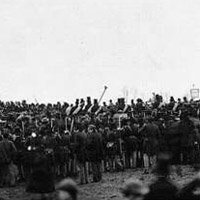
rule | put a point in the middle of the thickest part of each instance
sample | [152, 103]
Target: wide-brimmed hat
[134, 187]
[91, 126]
[45, 120]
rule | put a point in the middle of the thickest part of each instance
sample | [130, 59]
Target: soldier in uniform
[95, 151]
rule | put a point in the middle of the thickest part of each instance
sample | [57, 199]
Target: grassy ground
[108, 188]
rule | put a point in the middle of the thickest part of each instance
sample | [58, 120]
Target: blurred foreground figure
[67, 190]
[134, 190]
[192, 190]
[7, 153]
[162, 188]
[41, 182]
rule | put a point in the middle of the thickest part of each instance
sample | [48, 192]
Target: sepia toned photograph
[99, 100]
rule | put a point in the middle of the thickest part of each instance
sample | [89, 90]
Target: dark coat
[187, 131]
[110, 149]
[151, 137]
[7, 151]
[162, 189]
[41, 181]
[61, 149]
[94, 147]
[81, 144]
[130, 140]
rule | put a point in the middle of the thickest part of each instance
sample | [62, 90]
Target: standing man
[7, 152]
[150, 145]
[81, 153]
[187, 132]
[95, 151]
[110, 149]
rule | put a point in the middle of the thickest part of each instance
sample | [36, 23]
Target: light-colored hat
[134, 187]
[45, 120]
[91, 126]
[67, 185]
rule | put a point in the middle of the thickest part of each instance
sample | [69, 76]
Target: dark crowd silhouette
[41, 144]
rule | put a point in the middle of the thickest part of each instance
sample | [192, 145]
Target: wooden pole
[105, 88]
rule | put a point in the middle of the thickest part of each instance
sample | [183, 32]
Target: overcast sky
[62, 49]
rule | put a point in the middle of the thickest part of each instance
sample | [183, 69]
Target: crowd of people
[87, 138]
[162, 188]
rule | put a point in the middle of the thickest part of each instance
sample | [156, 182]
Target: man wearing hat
[134, 190]
[67, 190]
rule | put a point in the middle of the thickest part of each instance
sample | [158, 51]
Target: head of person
[5, 135]
[67, 190]
[134, 190]
[101, 129]
[184, 115]
[91, 128]
[163, 165]
[161, 120]
[107, 129]
[150, 119]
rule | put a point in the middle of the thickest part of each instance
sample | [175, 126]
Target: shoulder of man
[1, 143]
